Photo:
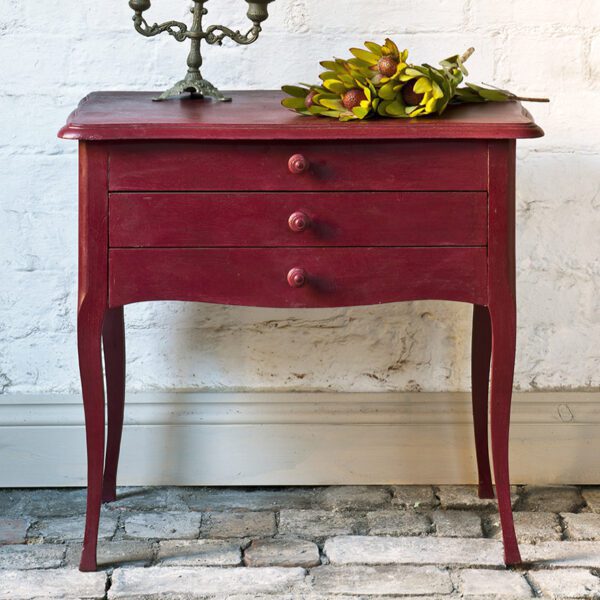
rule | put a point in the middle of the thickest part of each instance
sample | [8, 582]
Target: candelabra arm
[175, 28]
[212, 37]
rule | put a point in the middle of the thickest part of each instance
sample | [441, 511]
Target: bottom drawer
[297, 277]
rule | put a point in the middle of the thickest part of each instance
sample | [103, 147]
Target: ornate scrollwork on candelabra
[193, 82]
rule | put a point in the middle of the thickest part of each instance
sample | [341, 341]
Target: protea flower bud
[353, 98]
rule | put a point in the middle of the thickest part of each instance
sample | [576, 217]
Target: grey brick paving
[238, 524]
[136, 583]
[355, 497]
[199, 553]
[566, 583]
[562, 554]
[483, 584]
[377, 580]
[43, 503]
[591, 495]
[209, 499]
[552, 499]
[414, 496]
[457, 523]
[337, 543]
[465, 497]
[65, 584]
[32, 556]
[58, 529]
[282, 553]
[396, 522]
[412, 550]
[531, 527]
[120, 553]
[166, 525]
[317, 524]
[13, 530]
[582, 526]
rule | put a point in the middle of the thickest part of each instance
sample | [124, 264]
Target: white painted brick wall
[53, 53]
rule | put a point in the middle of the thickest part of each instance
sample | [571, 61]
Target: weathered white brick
[63, 584]
[349, 550]
[138, 583]
[238, 524]
[552, 498]
[61, 529]
[566, 583]
[531, 527]
[533, 13]
[561, 554]
[488, 584]
[163, 525]
[31, 556]
[282, 553]
[315, 524]
[388, 580]
[413, 496]
[396, 522]
[457, 523]
[57, 53]
[199, 553]
[594, 58]
[582, 526]
[531, 70]
[354, 497]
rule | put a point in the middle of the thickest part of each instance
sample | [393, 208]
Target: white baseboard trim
[250, 439]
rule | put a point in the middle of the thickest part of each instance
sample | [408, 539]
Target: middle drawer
[179, 220]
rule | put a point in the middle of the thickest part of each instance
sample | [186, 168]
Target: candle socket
[193, 82]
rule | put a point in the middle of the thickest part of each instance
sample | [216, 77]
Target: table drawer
[297, 277]
[299, 219]
[448, 165]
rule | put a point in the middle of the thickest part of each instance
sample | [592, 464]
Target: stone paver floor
[337, 543]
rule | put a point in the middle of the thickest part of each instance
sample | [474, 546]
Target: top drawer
[299, 166]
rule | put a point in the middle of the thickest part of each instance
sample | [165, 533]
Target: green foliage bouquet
[381, 81]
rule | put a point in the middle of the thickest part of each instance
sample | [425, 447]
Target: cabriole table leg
[113, 337]
[481, 351]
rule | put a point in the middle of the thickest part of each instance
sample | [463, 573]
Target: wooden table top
[258, 115]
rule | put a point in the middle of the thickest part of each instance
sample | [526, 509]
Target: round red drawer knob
[296, 278]
[298, 164]
[299, 221]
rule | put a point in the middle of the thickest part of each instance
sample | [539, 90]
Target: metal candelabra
[193, 82]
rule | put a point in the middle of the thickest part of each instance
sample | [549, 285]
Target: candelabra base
[195, 85]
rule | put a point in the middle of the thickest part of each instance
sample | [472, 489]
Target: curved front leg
[89, 330]
[481, 351]
[92, 306]
[113, 336]
[504, 333]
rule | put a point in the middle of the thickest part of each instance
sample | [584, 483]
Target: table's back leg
[113, 336]
[92, 306]
[481, 351]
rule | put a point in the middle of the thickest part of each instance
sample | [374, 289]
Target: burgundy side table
[249, 204]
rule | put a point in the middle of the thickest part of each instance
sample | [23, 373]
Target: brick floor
[336, 543]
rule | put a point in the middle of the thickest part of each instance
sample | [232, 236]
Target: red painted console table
[249, 204]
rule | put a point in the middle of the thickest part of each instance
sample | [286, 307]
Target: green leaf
[374, 48]
[332, 104]
[328, 75]
[294, 90]
[365, 56]
[335, 86]
[294, 103]
[387, 91]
